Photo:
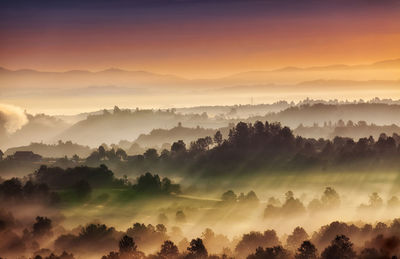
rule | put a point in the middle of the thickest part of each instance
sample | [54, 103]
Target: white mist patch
[12, 118]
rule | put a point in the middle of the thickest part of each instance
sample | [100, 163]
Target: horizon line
[277, 69]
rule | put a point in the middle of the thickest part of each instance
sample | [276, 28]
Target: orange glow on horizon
[199, 50]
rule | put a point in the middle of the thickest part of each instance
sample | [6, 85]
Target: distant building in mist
[25, 156]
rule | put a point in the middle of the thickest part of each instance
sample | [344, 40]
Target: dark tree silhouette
[178, 147]
[11, 189]
[276, 252]
[249, 198]
[197, 249]
[168, 250]
[102, 152]
[151, 154]
[127, 250]
[306, 251]
[218, 138]
[294, 240]
[147, 237]
[111, 255]
[152, 185]
[340, 247]
[64, 255]
[127, 245]
[121, 154]
[252, 240]
[229, 196]
[330, 198]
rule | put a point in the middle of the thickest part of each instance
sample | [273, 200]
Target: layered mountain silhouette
[26, 78]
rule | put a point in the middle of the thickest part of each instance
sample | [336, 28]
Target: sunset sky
[196, 38]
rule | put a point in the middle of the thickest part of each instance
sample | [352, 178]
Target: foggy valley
[199, 129]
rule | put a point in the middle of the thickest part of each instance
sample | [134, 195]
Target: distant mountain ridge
[28, 78]
[109, 70]
[376, 65]
[384, 64]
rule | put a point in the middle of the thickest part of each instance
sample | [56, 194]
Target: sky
[196, 38]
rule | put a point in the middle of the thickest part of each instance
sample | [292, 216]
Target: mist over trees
[349, 129]
[14, 191]
[308, 114]
[271, 147]
[176, 131]
[115, 125]
[160, 137]
[267, 147]
[43, 238]
[201, 177]
[61, 149]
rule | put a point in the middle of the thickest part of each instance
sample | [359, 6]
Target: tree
[64, 255]
[168, 250]
[168, 187]
[330, 198]
[214, 242]
[200, 145]
[241, 134]
[209, 141]
[111, 255]
[127, 250]
[296, 238]
[102, 152]
[151, 154]
[75, 158]
[178, 147]
[306, 251]
[375, 201]
[250, 197]
[148, 183]
[117, 110]
[127, 245]
[276, 252]
[340, 247]
[259, 129]
[11, 189]
[146, 236]
[252, 240]
[218, 138]
[292, 205]
[229, 196]
[197, 249]
[152, 185]
[121, 154]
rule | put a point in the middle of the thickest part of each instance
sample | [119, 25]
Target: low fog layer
[164, 184]
[83, 91]
[88, 212]
[11, 119]
[116, 125]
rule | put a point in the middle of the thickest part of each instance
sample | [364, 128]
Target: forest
[169, 203]
[199, 129]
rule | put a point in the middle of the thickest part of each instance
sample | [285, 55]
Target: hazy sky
[196, 38]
